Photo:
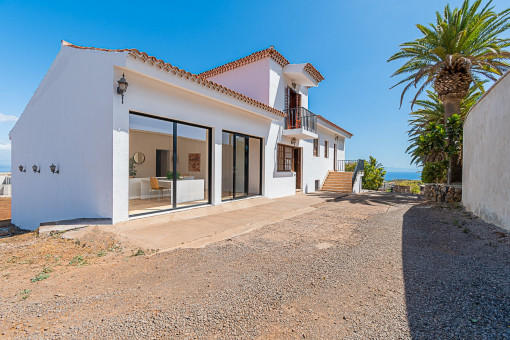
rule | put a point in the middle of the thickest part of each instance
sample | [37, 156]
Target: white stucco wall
[67, 122]
[486, 156]
[252, 80]
[317, 168]
[278, 83]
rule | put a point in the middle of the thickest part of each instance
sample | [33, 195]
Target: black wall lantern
[54, 169]
[35, 168]
[337, 138]
[122, 88]
[22, 168]
[293, 141]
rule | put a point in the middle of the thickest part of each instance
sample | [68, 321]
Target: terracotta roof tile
[142, 56]
[334, 125]
[200, 79]
[267, 53]
[313, 72]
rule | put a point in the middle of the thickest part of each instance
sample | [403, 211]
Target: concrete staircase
[338, 182]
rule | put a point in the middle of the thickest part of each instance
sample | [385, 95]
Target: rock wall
[404, 189]
[443, 193]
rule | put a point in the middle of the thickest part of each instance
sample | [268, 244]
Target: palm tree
[462, 47]
[431, 110]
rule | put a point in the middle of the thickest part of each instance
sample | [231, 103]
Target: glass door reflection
[241, 167]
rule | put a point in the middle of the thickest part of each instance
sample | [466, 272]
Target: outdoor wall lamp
[337, 138]
[22, 168]
[122, 88]
[35, 168]
[54, 169]
[293, 141]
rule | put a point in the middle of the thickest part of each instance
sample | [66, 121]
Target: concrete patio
[197, 227]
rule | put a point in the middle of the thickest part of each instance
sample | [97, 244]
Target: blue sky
[347, 41]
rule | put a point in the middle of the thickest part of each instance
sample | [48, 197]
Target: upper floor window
[284, 158]
[326, 149]
[316, 147]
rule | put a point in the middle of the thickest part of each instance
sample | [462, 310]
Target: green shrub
[170, 174]
[373, 177]
[415, 185]
[351, 166]
[434, 173]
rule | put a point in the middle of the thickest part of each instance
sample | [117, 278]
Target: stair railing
[360, 166]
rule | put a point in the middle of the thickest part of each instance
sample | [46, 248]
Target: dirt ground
[5, 210]
[376, 265]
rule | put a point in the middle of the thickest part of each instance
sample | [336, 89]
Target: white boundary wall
[486, 156]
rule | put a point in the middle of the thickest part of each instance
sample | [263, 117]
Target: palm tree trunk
[451, 107]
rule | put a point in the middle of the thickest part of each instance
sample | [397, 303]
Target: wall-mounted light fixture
[293, 85]
[293, 141]
[122, 88]
[35, 168]
[54, 169]
[337, 138]
[22, 168]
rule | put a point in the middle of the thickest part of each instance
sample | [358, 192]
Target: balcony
[300, 124]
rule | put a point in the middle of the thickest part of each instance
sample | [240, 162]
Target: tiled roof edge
[142, 56]
[334, 125]
[313, 72]
[268, 52]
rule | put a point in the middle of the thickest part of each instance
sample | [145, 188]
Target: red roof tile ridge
[182, 73]
[334, 125]
[313, 72]
[270, 52]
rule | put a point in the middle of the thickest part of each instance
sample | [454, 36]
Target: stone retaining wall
[443, 193]
[404, 189]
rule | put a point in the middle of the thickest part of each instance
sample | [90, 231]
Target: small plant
[47, 270]
[170, 174]
[465, 230]
[101, 253]
[140, 252]
[132, 170]
[11, 259]
[78, 260]
[39, 277]
[456, 223]
[25, 293]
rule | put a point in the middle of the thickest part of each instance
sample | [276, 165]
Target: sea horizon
[409, 175]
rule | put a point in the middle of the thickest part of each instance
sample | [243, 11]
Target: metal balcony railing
[301, 118]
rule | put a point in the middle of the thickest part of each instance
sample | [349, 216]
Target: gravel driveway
[375, 265]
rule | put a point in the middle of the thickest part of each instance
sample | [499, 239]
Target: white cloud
[5, 146]
[7, 118]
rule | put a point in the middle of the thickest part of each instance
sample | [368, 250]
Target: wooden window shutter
[287, 98]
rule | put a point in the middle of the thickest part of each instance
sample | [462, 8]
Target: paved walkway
[195, 228]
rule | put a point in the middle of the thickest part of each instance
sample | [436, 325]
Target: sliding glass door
[169, 165]
[240, 168]
[241, 165]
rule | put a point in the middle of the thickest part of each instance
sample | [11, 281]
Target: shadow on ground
[381, 197]
[457, 275]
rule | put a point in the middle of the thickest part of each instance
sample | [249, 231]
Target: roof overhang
[298, 74]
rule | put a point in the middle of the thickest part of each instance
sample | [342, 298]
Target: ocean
[391, 175]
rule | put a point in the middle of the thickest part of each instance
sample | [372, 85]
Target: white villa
[114, 134]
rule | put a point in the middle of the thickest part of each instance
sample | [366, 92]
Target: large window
[169, 164]
[326, 149]
[284, 158]
[316, 147]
